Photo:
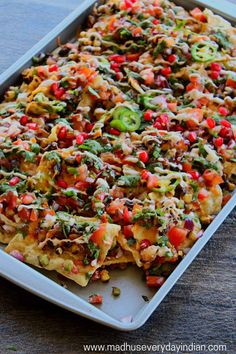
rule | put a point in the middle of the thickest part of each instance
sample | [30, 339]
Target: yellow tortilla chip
[65, 260]
[140, 233]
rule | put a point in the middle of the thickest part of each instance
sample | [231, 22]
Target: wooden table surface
[200, 308]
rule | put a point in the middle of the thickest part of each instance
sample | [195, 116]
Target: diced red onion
[17, 255]
[189, 224]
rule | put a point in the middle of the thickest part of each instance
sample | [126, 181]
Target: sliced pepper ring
[125, 120]
[204, 51]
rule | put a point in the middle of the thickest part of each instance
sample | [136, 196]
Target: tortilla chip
[140, 233]
[69, 263]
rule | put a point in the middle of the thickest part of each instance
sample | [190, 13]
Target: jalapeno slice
[204, 51]
[125, 120]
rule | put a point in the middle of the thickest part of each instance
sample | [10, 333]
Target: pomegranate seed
[78, 158]
[61, 183]
[216, 67]
[215, 75]
[172, 58]
[155, 21]
[211, 123]
[27, 199]
[225, 123]
[53, 68]
[192, 137]
[79, 139]
[143, 156]
[145, 174]
[114, 131]
[127, 230]
[62, 133]
[14, 180]
[195, 174]
[144, 244]
[166, 71]
[219, 141]
[119, 76]
[223, 111]
[89, 127]
[148, 115]
[32, 126]
[224, 132]
[24, 120]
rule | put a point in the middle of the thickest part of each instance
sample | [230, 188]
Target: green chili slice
[204, 51]
[125, 120]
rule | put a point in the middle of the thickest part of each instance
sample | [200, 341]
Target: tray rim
[40, 285]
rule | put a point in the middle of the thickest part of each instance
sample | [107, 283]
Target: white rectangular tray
[129, 311]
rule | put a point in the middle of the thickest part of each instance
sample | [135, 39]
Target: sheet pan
[129, 311]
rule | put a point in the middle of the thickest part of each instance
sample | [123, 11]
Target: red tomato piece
[154, 281]
[177, 235]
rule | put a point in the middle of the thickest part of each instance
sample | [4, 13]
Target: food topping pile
[119, 147]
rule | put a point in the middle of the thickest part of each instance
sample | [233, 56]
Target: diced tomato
[192, 137]
[14, 180]
[177, 235]
[62, 133]
[172, 58]
[187, 167]
[96, 299]
[212, 178]
[53, 68]
[172, 106]
[98, 235]
[143, 156]
[78, 158]
[215, 75]
[148, 115]
[154, 281]
[59, 93]
[32, 126]
[24, 214]
[11, 200]
[33, 215]
[198, 15]
[211, 123]
[152, 181]
[145, 174]
[89, 127]
[114, 131]
[120, 59]
[133, 56]
[144, 244]
[127, 230]
[82, 185]
[61, 183]
[166, 71]
[127, 216]
[41, 72]
[216, 67]
[202, 194]
[231, 82]
[27, 199]
[195, 174]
